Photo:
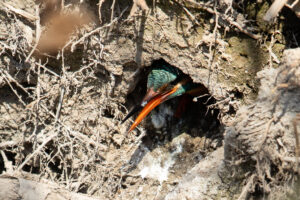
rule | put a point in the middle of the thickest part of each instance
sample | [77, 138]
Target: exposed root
[138, 4]
[225, 19]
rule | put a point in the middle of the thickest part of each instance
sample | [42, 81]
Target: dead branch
[7, 164]
[99, 10]
[224, 18]
[193, 18]
[247, 187]
[4, 76]
[266, 132]
[96, 30]
[10, 79]
[37, 33]
[112, 10]
[62, 92]
[6, 144]
[274, 9]
[138, 4]
[277, 6]
[80, 136]
[21, 12]
[52, 134]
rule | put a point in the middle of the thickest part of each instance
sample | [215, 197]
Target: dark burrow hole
[199, 117]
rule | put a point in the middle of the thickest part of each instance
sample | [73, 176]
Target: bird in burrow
[164, 82]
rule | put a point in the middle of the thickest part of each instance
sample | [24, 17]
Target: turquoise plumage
[159, 76]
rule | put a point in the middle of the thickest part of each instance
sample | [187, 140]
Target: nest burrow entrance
[198, 115]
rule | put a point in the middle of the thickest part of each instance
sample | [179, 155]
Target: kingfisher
[164, 82]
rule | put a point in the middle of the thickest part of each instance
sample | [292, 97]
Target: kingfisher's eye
[144, 103]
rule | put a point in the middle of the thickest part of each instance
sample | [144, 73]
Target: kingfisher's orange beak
[158, 99]
[149, 95]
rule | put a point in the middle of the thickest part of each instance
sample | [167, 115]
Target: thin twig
[62, 92]
[274, 9]
[97, 30]
[225, 18]
[99, 10]
[193, 18]
[48, 139]
[294, 3]
[37, 33]
[6, 74]
[295, 121]
[12, 88]
[195, 99]
[48, 70]
[21, 12]
[7, 164]
[6, 144]
[212, 53]
[37, 103]
[136, 4]
[112, 10]
[246, 188]
[78, 135]
[272, 56]
[266, 133]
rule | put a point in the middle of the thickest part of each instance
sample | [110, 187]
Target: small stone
[118, 138]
